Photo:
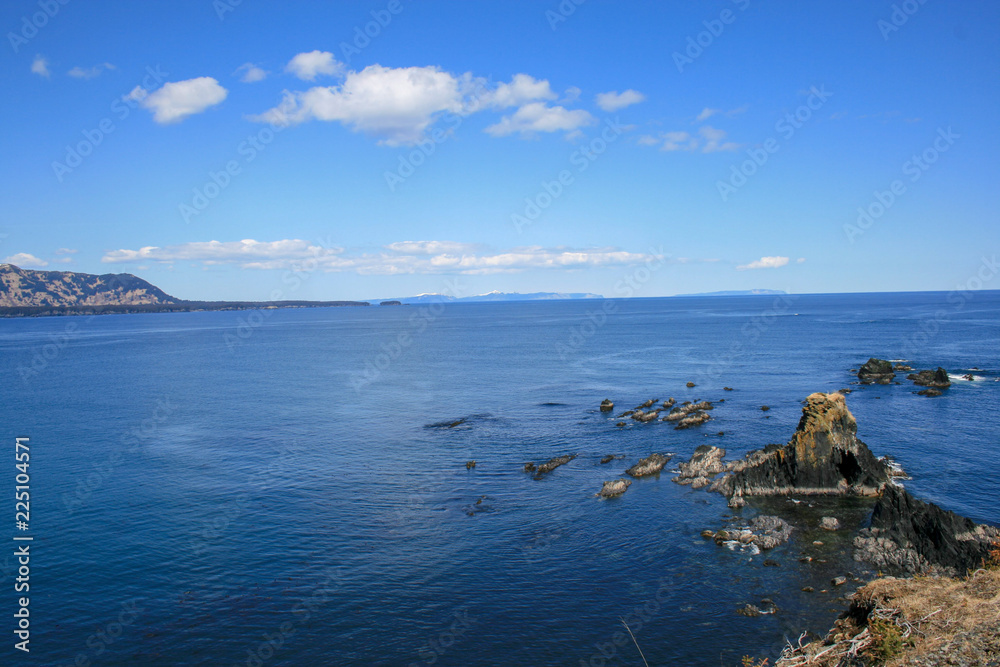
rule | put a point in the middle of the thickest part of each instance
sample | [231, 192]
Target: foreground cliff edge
[948, 614]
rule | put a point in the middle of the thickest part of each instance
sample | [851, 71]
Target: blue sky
[263, 150]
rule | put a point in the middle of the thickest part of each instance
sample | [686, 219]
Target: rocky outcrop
[878, 371]
[551, 465]
[829, 523]
[764, 532]
[651, 465]
[917, 537]
[824, 456]
[607, 405]
[937, 378]
[694, 419]
[614, 488]
[705, 463]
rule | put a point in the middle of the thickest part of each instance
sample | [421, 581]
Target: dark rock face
[875, 370]
[824, 456]
[930, 391]
[938, 378]
[650, 465]
[921, 538]
[607, 405]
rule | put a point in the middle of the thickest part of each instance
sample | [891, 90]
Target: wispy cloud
[765, 263]
[613, 101]
[90, 72]
[250, 73]
[40, 66]
[707, 140]
[406, 257]
[540, 117]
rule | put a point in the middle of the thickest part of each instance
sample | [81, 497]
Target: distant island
[746, 292]
[29, 293]
[494, 297]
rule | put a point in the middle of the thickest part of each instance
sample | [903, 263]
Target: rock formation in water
[607, 405]
[917, 537]
[650, 465]
[937, 378]
[875, 370]
[824, 456]
[550, 465]
[614, 488]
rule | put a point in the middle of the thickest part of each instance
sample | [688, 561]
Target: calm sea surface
[278, 489]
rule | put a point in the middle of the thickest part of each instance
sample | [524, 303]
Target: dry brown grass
[923, 621]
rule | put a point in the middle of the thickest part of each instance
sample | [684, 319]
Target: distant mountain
[738, 292]
[24, 287]
[494, 297]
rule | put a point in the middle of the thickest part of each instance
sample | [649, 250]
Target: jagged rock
[608, 459]
[737, 502]
[930, 391]
[838, 581]
[620, 424]
[706, 462]
[627, 413]
[694, 419]
[650, 465]
[690, 384]
[708, 534]
[675, 415]
[647, 404]
[937, 378]
[552, 464]
[921, 538]
[845, 391]
[529, 467]
[829, 523]
[876, 370]
[824, 456]
[808, 589]
[669, 403]
[701, 405]
[765, 408]
[607, 405]
[469, 465]
[902, 368]
[749, 610]
[769, 531]
[727, 389]
[648, 417]
[614, 488]
[970, 377]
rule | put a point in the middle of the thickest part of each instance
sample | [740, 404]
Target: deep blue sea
[277, 488]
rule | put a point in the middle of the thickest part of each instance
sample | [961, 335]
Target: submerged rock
[607, 405]
[469, 465]
[529, 467]
[614, 488]
[877, 371]
[829, 523]
[650, 465]
[690, 384]
[918, 537]
[552, 464]
[824, 456]
[930, 391]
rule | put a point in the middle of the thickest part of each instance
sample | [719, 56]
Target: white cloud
[25, 260]
[398, 105]
[397, 258]
[679, 141]
[521, 90]
[307, 66]
[613, 101]
[395, 104]
[764, 263]
[90, 72]
[539, 117]
[40, 66]
[800, 260]
[67, 251]
[647, 140]
[176, 101]
[250, 73]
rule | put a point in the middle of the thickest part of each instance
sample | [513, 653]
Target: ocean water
[284, 488]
